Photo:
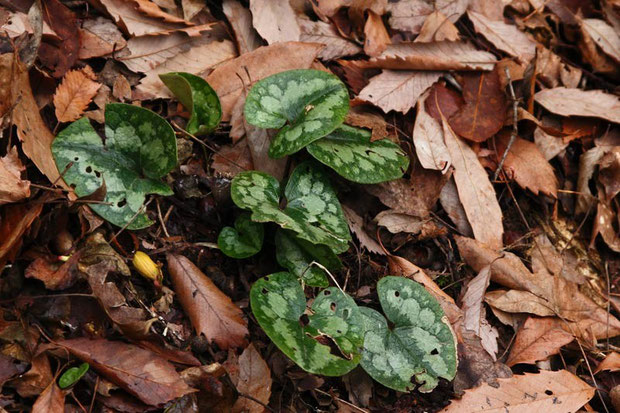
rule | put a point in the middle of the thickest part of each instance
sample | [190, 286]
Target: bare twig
[515, 118]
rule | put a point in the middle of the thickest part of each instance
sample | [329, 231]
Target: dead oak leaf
[211, 312]
[73, 95]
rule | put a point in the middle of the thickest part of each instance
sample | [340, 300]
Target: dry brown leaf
[550, 146]
[232, 159]
[527, 166]
[587, 165]
[140, 372]
[141, 17]
[409, 15]
[576, 102]
[553, 72]
[356, 224]
[538, 339]
[211, 312]
[376, 35]
[227, 81]
[99, 37]
[604, 225]
[609, 173]
[258, 142]
[474, 315]
[398, 90]
[433, 56]
[325, 33]
[610, 363]
[548, 391]
[376, 123]
[37, 379]
[55, 274]
[604, 35]
[396, 222]
[436, 28]
[73, 95]
[52, 400]
[191, 8]
[506, 37]
[451, 203]
[475, 191]
[428, 140]
[12, 187]
[517, 301]
[253, 379]
[275, 21]
[240, 19]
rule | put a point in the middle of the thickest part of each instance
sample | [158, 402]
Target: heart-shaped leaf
[312, 211]
[140, 149]
[198, 97]
[349, 152]
[279, 305]
[307, 104]
[421, 344]
[242, 241]
[296, 255]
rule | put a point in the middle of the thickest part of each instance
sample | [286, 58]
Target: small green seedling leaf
[72, 375]
[325, 341]
[312, 211]
[296, 255]
[242, 241]
[418, 349]
[140, 149]
[349, 152]
[198, 97]
[307, 104]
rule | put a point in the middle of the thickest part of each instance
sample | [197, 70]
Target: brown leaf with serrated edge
[240, 20]
[12, 187]
[576, 102]
[484, 111]
[548, 391]
[275, 21]
[377, 37]
[526, 165]
[140, 372]
[610, 363]
[73, 95]
[437, 28]
[253, 378]
[211, 312]
[324, 33]
[538, 339]
[52, 400]
[141, 17]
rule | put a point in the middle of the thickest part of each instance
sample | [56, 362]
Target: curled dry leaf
[409, 15]
[61, 52]
[563, 392]
[576, 102]
[377, 37]
[73, 95]
[324, 33]
[517, 301]
[141, 17]
[240, 19]
[211, 312]
[12, 187]
[275, 21]
[436, 28]
[549, 146]
[14, 221]
[451, 203]
[52, 400]
[474, 317]
[610, 363]
[99, 37]
[428, 139]
[538, 339]
[140, 372]
[356, 224]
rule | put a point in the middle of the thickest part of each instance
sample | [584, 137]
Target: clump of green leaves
[242, 241]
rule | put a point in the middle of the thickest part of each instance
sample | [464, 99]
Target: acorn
[147, 267]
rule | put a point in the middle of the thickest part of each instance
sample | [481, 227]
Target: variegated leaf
[242, 241]
[140, 149]
[420, 347]
[198, 97]
[312, 211]
[306, 104]
[296, 255]
[349, 152]
[279, 305]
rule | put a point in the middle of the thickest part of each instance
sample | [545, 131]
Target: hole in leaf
[339, 331]
[264, 291]
[98, 174]
[434, 352]
[332, 306]
[396, 294]
[121, 203]
[76, 159]
[73, 186]
[548, 392]
[304, 320]
[327, 292]
[266, 278]
[334, 350]
[89, 169]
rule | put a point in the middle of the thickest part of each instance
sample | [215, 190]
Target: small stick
[513, 135]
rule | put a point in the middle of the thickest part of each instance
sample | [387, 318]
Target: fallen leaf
[232, 159]
[527, 166]
[215, 391]
[37, 379]
[240, 19]
[604, 225]
[140, 372]
[604, 35]
[610, 363]
[549, 146]
[563, 392]
[376, 123]
[324, 33]
[474, 318]
[484, 111]
[59, 53]
[253, 379]
[396, 222]
[475, 191]
[52, 400]
[587, 165]
[191, 8]
[73, 95]
[436, 28]
[517, 301]
[409, 15]
[506, 37]
[12, 187]
[14, 221]
[356, 224]
[553, 72]
[428, 139]
[609, 173]
[451, 203]
[538, 339]
[433, 56]
[211, 312]
[141, 17]
[259, 141]
[576, 102]
[230, 78]
[398, 90]
[275, 21]
[99, 37]
[55, 274]
[376, 35]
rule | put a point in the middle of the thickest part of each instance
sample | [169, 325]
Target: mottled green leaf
[198, 97]
[307, 104]
[72, 375]
[349, 152]
[419, 348]
[279, 305]
[296, 255]
[140, 149]
[312, 211]
[242, 241]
